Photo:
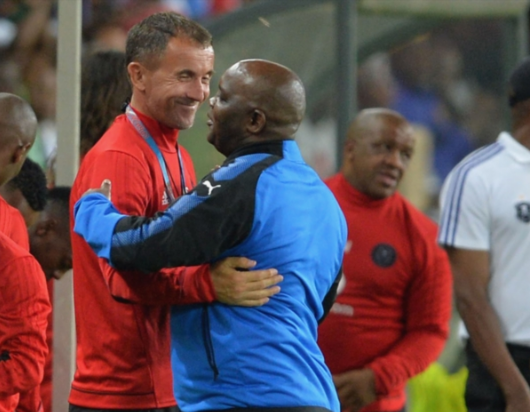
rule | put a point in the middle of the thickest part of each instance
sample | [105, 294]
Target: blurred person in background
[391, 317]
[485, 205]
[414, 68]
[105, 89]
[46, 215]
[24, 299]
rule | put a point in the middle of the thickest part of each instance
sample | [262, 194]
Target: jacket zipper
[207, 339]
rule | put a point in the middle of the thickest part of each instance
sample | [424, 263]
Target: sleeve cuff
[95, 219]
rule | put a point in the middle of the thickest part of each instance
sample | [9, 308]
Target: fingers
[256, 287]
[240, 262]
[262, 278]
[234, 284]
[258, 298]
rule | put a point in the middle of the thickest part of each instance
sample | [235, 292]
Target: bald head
[370, 121]
[378, 149]
[258, 100]
[18, 119]
[273, 88]
[18, 127]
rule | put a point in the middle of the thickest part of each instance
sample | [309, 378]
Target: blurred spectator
[105, 88]
[485, 121]
[413, 66]
[376, 85]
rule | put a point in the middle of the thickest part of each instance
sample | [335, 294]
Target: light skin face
[172, 90]
[378, 151]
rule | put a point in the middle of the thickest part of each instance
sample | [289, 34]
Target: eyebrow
[192, 72]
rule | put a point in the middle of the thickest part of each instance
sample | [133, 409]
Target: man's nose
[394, 159]
[199, 91]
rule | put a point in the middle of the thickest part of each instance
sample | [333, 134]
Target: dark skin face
[378, 151]
[49, 242]
[257, 101]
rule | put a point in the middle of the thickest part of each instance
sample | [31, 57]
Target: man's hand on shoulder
[356, 388]
[235, 284]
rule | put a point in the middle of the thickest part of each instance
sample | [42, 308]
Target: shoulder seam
[451, 212]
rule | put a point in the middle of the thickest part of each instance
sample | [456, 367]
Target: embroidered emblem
[384, 255]
[523, 211]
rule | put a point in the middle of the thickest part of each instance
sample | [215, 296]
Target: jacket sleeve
[24, 311]
[130, 194]
[428, 313]
[197, 228]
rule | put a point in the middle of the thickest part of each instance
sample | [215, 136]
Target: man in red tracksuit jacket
[391, 316]
[123, 337]
[24, 308]
[24, 303]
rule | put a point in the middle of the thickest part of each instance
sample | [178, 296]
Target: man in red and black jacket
[391, 316]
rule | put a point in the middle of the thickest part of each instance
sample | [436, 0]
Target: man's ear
[257, 121]
[45, 226]
[137, 75]
[20, 153]
[349, 149]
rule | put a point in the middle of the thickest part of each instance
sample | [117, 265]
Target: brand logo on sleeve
[205, 188]
[165, 199]
[210, 187]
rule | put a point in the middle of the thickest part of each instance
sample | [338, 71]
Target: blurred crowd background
[449, 81]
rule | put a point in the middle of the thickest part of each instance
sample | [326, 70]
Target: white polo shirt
[485, 205]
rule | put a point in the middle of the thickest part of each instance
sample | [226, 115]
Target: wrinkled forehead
[390, 130]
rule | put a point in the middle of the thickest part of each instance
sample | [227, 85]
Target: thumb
[106, 187]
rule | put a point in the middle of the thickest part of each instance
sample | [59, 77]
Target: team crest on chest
[384, 255]
[523, 211]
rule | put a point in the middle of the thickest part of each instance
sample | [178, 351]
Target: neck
[139, 105]
[521, 133]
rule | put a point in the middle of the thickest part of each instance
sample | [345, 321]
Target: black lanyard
[142, 130]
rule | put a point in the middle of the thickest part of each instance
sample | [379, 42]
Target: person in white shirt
[485, 228]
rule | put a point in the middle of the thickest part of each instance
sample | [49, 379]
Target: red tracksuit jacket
[392, 313]
[122, 319]
[24, 308]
